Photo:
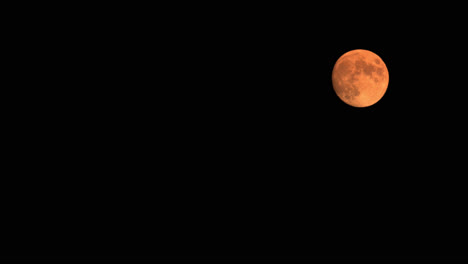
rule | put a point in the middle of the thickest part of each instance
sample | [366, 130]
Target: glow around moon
[360, 78]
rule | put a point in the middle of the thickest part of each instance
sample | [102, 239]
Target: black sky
[214, 131]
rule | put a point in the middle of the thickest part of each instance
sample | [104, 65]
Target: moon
[360, 78]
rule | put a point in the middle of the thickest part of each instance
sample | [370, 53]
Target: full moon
[360, 78]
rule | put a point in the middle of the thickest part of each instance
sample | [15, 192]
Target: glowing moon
[360, 78]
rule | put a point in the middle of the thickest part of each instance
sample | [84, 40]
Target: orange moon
[360, 78]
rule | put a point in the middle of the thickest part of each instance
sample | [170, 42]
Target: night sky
[214, 132]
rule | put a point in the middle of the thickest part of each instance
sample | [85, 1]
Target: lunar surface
[360, 78]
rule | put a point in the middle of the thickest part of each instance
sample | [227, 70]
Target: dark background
[199, 131]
